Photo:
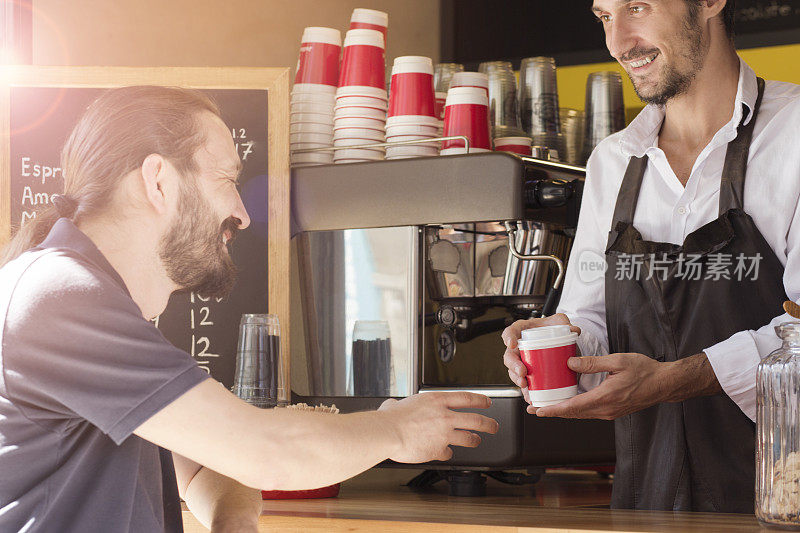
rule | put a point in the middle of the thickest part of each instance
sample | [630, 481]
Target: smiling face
[210, 212]
[660, 44]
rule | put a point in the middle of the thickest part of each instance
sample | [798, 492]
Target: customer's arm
[218, 502]
[292, 450]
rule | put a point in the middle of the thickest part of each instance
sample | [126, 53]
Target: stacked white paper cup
[313, 95]
[412, 109]
[359, 116]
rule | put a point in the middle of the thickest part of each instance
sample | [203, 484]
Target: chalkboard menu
[41, 117]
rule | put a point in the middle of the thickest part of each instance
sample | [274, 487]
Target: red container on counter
[330, 491]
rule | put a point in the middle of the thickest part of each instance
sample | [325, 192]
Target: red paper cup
[412, 87]
[439, 101]
[466, 113]
[318, 62]
[410, 150]
[471, 79]
[358, 122]
[310, 127]
[312, 107]
[517, 145]
[363, 60]
[544, 352]
[460, 150]
[369, 19]
[352, 141]
[359, 133]
[412, 129]
[362, 101]
[359, 111]
[314, 89]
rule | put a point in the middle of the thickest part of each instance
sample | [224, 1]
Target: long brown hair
[112, 138]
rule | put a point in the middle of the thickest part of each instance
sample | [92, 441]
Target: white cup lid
[370, 16]
[546, 336]
[469, 79]
[364, 37]
[318, 34]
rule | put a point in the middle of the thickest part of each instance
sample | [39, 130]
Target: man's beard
[192, 252]
[675, 82]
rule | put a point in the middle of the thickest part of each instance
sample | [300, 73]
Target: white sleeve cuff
[735, 362]
[589, 344]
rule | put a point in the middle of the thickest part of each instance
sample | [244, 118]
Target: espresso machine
[430, 259]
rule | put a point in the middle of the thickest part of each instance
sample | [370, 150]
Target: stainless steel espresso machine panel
[353, 275]
[447, 251]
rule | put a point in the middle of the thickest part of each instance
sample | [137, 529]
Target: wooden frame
[274, 80]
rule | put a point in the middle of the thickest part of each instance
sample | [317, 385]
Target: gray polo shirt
[80, 370]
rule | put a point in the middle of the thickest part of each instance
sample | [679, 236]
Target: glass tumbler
[372, 358]
[259, 378]
[778, 432]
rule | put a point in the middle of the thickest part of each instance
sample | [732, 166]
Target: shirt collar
[66, 235]
[642, 132]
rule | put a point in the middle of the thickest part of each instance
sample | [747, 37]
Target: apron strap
[628, 195]
[731, 187]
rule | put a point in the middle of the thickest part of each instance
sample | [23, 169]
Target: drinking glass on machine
[372, 358]
[572, 128]
[503, 109]
[538, 102]
[466, 113]
[605, 109]
[259, 378]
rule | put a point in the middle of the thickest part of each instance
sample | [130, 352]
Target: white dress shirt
[667, 212]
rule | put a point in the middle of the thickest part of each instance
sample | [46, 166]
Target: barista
[692, 210]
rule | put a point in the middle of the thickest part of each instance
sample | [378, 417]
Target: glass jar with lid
[778, 432]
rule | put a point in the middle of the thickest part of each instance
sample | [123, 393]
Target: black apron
[698, 454]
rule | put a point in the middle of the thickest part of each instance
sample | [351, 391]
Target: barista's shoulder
[609, 149]
[782, 95]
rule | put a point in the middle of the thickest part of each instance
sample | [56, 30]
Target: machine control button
[446, 346]
[446, 316]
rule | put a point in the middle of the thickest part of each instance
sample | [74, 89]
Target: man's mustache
[638, 53]
[231, 225]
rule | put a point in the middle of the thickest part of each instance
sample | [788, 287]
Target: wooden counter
[377, 501]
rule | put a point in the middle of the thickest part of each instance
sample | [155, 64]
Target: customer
[699, 259]
[95, 405]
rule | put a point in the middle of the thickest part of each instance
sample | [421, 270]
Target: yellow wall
[772, 63]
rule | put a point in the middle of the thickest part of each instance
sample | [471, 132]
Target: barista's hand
[516, 370]
[427, 426]
[635, 382]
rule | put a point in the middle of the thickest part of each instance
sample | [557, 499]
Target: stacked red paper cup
[466, 113]
[516, 145]
[313, 94]
[361, 102]
[370, 19]
[412, 109]
[471, 79]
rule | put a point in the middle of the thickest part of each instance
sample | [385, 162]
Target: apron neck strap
[731, 190]
[731, 187]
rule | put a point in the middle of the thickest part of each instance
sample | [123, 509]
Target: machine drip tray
[523, 442]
